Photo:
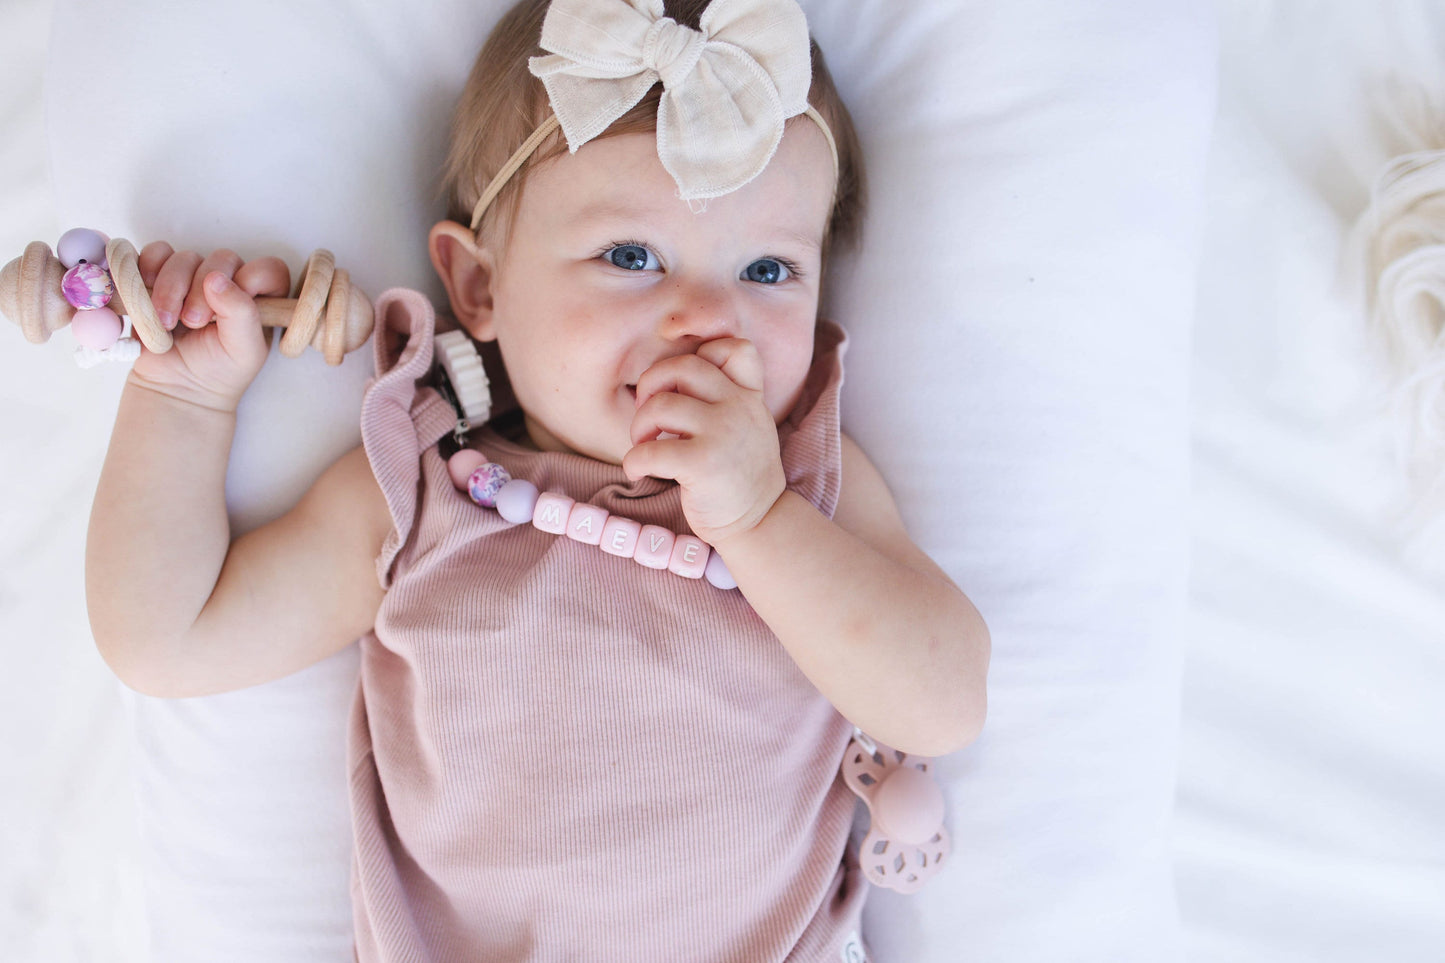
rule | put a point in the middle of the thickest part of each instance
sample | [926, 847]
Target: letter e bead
[689, 556]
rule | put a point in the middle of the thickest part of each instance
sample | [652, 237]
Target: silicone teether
[906, 842]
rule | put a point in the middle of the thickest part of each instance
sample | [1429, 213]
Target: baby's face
[607, 272]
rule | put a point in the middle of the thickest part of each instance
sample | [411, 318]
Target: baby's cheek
[783, 384]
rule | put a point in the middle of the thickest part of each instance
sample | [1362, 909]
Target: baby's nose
[701, 311]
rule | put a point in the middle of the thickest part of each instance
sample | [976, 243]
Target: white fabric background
[1310, 784]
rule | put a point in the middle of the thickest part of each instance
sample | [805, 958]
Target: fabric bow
[728, 87]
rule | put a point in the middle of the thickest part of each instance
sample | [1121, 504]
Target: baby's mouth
[632, 390]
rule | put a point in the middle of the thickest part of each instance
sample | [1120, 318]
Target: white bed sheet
[1310, 823]
[1311, 785]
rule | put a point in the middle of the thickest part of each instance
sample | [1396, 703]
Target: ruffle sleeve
[400, 420]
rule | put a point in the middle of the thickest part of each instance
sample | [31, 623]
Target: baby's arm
[871, 620]
[177, 608]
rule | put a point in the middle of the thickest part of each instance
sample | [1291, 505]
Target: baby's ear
[467, 272]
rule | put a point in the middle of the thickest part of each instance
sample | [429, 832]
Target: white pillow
[1020, 313]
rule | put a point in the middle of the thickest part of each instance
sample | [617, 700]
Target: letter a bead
[689, 557]
[585, 523]
[552, 512]
[654, 546]
[619, 536]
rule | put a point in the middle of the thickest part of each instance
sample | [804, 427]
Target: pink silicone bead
[585, 523]
[689, 557]
[619, 536]
[461, 465]
[717, 573]
[81, 244]
[517, 500]
[552, 511]
[654, 546]
[909, 806]
[98, 329]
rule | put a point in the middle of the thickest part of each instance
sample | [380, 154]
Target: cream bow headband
[728, 87]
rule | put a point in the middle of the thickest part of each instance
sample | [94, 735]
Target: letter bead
[585, 523]
[619, 536]
[552, 511]
[689, 556]
[654, 546]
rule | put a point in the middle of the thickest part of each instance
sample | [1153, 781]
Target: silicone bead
[485, 482]
[717, 573]
[585, 522]
[81, 244]
[619, 536]
[461, 465]
[517, 500]
[87, 286]
[689, 556]
[909, 806]
[98, 329]
[552, 511]
[654, 546]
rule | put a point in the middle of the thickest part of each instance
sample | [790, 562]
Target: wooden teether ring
[338, 305]
[329, 314]
[134, 299]
[315, 286]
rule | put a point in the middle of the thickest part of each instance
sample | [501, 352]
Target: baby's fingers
[238, 321]
[197, 313]
[172, 283]
[152, 256]
[265, 277]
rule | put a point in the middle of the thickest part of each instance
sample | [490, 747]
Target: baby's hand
[727, 459]
[209, 364]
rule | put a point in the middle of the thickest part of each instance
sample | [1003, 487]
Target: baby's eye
[766, 271]
[632, 257]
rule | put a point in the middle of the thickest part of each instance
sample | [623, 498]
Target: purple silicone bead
[81, 244]
[486, 480]
[87, 286]
[717, 573]
[516, 501]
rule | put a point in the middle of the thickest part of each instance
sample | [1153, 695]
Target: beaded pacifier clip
[518, 500]
[906, 843]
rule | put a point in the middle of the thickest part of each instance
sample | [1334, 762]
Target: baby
[558, 753]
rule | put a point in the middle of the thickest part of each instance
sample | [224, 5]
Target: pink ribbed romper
[557, 754]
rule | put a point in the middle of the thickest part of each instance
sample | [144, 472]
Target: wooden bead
[30, 293]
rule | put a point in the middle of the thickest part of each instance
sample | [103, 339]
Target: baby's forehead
[620, 178]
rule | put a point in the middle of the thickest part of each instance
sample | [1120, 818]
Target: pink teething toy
[906, 842]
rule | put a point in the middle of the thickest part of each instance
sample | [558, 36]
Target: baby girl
[556, 752]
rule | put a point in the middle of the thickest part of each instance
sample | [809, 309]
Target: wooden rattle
[327, 313]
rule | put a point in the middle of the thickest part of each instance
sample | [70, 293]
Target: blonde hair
[502, 104]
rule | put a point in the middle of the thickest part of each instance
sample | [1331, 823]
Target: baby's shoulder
[349, 495]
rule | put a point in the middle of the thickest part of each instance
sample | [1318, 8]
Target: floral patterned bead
[486, 480]
[87, 286]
